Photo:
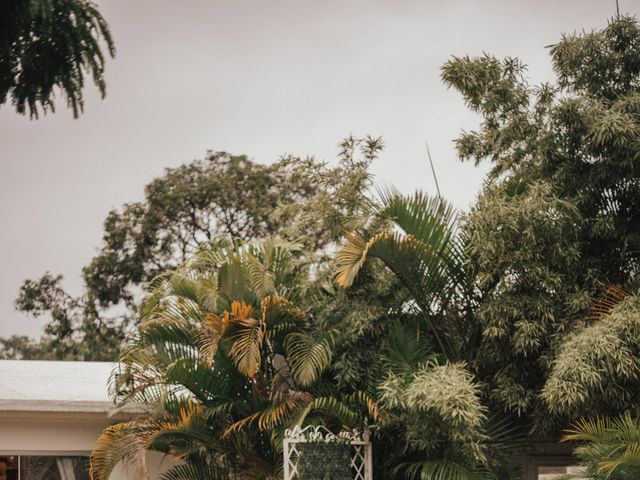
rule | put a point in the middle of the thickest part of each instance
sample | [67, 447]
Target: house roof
[55, 386]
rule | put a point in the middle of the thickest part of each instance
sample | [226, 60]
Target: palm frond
[308, 355]
[609, 300]
[280, 316]
[247, 341]
[334, 408]
[213, 329]
[353, 254]
[431, 220]
[374, 408]
[406, 351]
[423, 250]
[609, 448]
[130, 442]
[196, 471]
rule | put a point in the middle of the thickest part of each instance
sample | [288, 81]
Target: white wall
[46, 433]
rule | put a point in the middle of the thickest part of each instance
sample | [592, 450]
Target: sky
[261, 78]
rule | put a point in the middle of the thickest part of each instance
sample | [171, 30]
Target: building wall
[46, 433]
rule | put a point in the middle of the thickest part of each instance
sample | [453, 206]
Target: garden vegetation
[297, 294]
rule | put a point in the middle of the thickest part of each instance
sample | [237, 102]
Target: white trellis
[358, 442]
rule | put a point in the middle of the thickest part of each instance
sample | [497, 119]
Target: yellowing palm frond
[374, 409]
[128, 441]
[611, 298]
[247, 341]
[280, 316]
[213, 329]
[353, 254]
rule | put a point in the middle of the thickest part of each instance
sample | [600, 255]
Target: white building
[51, 414]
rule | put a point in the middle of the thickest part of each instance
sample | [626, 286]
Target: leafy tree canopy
[47, 45]
[223, 362]
[558, 221]
[207, 201]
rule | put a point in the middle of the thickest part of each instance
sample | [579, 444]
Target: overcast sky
[261, 78]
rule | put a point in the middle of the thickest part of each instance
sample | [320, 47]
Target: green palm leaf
[308, 355]
[424, 252]
[609, 448]
[197, 471]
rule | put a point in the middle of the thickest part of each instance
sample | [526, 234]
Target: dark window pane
[9, 468]
[54, 468]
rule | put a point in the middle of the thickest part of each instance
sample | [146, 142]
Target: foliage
[524, 310]
[557, 222]
[18, 347]
[437, 402]
[524, 257]
[566, 135]
[47, 45]
[74, 331]
[598, 367]
[216, 364]
[425, 255]
[432, 405]
[504, 287]
[609, 449]
[210, 200]
[508, 290]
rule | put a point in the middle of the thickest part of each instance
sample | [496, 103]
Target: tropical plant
[557, 221]
[609, 448]
[222, 363]
[426, 394]
[416, 237]
[597, 367]
[222, 196]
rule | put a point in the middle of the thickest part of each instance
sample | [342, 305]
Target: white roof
[35, 385]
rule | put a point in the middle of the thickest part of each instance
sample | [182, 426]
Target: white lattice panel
[358, 442]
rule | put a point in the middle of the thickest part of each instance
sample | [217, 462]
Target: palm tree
[609, 449]
[416, 237]
[223, 346]
[428, 393]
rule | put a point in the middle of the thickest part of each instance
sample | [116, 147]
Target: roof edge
[63, 406]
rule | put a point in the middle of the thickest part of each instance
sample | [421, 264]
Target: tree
[221, 364]
[427, 385]
[17, 347]
[596, 367]
[213, 200]
[557, 223]
[47, 45]
[74, 331]
[512, 291]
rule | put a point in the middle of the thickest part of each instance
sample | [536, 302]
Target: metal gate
[358, 443]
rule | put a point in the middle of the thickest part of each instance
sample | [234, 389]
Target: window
[21, 467]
